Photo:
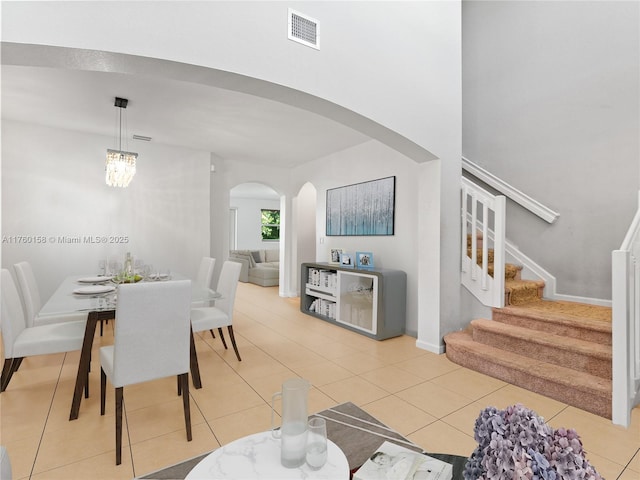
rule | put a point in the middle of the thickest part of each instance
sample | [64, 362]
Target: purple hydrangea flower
[516, 443]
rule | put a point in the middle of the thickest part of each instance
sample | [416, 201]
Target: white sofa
[261, 267]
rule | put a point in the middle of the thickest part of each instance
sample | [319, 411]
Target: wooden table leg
[195, 368]
[85, 360]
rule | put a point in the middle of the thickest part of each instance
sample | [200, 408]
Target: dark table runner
[357, 433]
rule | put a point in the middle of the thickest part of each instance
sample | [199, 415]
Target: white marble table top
[257, 456]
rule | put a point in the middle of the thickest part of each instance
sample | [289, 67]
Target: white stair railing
[481, 213]
[625, 298]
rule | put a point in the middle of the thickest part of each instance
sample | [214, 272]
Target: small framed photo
[364, 260]
[346, 260]
[334, 255]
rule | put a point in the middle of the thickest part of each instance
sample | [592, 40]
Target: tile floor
[423, 396]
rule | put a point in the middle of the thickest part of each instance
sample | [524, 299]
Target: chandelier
[120, 166]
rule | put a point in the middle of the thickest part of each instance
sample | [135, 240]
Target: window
[270, 224]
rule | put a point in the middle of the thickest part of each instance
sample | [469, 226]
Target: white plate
[101, 279]
[94, 289]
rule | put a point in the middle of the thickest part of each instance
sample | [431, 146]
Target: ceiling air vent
[141, 137]
[304, 29]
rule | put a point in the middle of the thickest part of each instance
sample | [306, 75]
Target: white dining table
[101, 307]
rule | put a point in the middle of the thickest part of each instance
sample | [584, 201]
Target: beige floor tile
[472, 384]
[465, 418]
[159, 419]
[438, 437]
[214, 402]
[360, 363]
[428, 366]
[22, 453]
[605, 467]
[324, 372]
[293, 356]
[276, 342]
[319, 401]
[334, 350]
[246, 422]
[267, 386]
[24, 410]
[399, 415]
[98, 467]
[255, 363]
[77, 440]
[392, 379]
[634, 464]
[353, 389]
[599, 436]
[172, 448]
[628, 475]
[434, 399]
[511, 395]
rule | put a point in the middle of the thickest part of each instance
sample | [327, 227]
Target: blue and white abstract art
[362, 209]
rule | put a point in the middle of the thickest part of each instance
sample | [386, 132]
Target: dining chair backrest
[205, 273]
[227, 286]
[29, 289]
[12, 320]
[152, 331]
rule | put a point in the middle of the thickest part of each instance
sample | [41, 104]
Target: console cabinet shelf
[371, 302]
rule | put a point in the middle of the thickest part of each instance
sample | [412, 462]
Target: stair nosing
[601, 326]
[580, 380]
[580, 346]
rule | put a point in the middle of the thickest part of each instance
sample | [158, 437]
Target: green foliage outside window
[270, 224]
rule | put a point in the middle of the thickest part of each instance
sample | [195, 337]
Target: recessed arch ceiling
[230, 124]
[233, 116]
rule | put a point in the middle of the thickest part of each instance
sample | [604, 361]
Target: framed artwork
[346, 260]
[361, 209]
[334, 255]
[364, 260]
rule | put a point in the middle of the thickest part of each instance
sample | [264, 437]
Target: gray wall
[551, 106]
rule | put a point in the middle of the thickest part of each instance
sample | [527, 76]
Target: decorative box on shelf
[371, 302]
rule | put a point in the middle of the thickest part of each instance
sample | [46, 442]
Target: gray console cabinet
[371, 302]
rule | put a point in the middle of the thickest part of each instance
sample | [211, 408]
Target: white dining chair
[152, 338]
[32, 300]
[221, 315]
[21, 341]
[203, 280]
[205, 272]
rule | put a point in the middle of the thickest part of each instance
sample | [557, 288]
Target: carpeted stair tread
[571, 319]
[511, 271]
[518, 292]
[579, 389]
[576, 354]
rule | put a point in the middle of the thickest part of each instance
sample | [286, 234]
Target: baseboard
[437, 349]
[588, 300]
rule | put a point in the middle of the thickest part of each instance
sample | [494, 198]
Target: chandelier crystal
[120, 166]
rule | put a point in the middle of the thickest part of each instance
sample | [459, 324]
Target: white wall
[53, 186]
[388, 69]
[371, 161]
[552, 106]
[249, 222]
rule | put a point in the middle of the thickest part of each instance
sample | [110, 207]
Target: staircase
[558, 349]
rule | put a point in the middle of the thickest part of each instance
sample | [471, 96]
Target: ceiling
[230, 124]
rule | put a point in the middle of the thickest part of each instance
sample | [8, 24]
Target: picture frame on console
[346, 260]
[334, 256]
[364, 260]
